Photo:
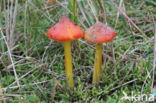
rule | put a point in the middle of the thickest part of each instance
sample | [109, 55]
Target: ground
[27, 54]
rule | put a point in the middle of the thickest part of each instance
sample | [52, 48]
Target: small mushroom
[99, 33]
[50, 1]
[65, 31]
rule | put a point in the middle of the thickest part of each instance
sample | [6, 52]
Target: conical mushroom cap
[99, 33]
[64, 30]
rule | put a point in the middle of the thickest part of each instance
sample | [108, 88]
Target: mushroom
[65, 31]
[50, 1]
[98, 33]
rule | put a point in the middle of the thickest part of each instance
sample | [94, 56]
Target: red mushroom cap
[64, 30]
[99, 33]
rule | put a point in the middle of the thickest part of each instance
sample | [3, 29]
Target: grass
[39, 61]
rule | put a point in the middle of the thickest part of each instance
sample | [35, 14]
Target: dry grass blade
[7, 96]
[54, 91]
[11, 22]
[92, 9]
[10, 55]
[129, 20]
[64, 6]
[25, 75]
[15, 87]
[0, 90]
[1, 97]
[154, 61]
[123, 84]
[117, 18]
[83, 13]
[104, 11]
[1, 93]
[10, 95]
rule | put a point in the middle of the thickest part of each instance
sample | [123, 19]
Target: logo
[137, 98]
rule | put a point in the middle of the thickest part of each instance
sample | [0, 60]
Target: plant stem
[2, 97]
[73, 8]
[68, 63]
[97, 64]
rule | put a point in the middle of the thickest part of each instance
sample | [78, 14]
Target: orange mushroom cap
[50, 1]
[64, 30]
[99, 33]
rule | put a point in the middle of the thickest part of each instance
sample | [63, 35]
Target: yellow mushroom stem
[97, 64]
[68, 63]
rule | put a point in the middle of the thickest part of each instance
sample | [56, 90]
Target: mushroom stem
[68, 63]
[97, 64]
